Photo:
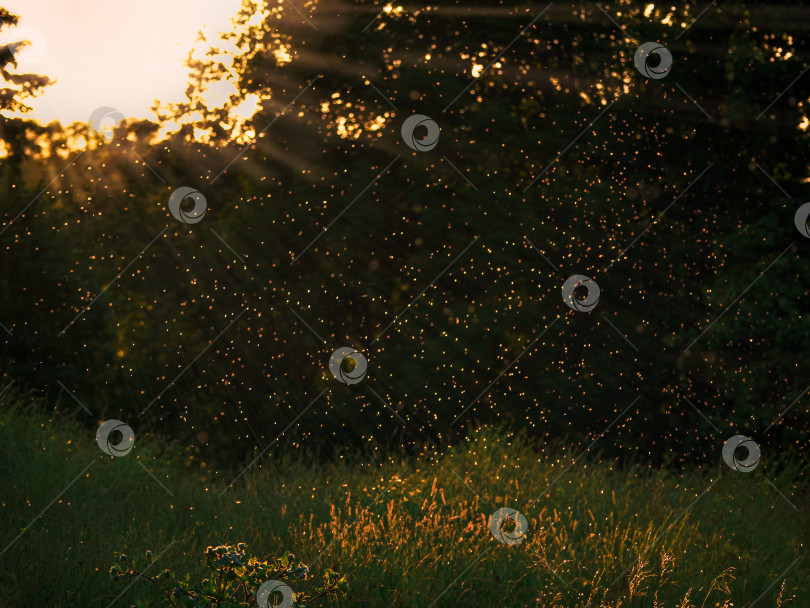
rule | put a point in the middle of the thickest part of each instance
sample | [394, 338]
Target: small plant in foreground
[234, 579]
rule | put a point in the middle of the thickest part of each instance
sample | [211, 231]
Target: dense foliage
[324, 229]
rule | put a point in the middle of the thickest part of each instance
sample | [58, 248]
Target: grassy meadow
[410, 531]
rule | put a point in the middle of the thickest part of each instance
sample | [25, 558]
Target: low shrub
[236, 581]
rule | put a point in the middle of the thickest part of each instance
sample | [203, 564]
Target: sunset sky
[123, 54]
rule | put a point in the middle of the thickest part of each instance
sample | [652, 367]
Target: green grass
[411, 532]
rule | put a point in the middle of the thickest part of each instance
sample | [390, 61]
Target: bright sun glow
[125, 54]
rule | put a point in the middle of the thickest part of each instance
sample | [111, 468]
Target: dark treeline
[324, 255]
